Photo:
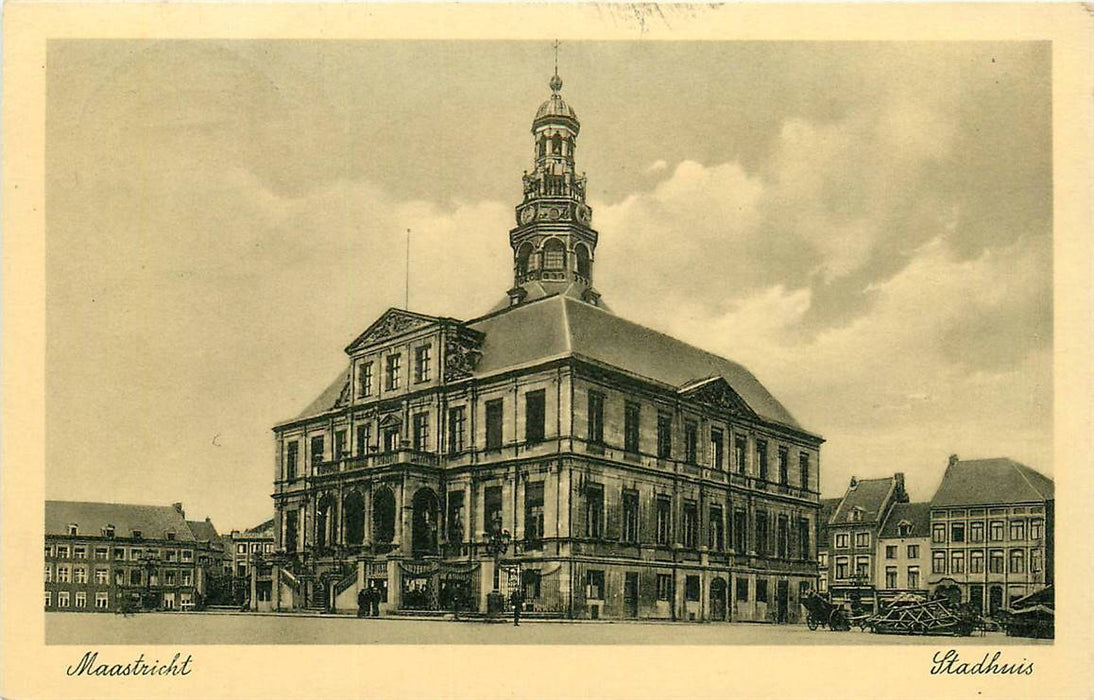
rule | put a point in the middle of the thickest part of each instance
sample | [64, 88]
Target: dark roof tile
[92, 518]
[988, 481]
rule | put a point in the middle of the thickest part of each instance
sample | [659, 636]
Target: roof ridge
[1018, 467]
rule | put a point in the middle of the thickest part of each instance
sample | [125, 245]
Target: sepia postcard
[580, 350]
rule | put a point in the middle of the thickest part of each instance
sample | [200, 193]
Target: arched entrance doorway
[383, 516]
[950, 591]
[718, 606]
[424, 524]
[353, 517]
[325, 525]
[995, 599]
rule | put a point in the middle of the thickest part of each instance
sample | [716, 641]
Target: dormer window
[904, 529]
[108, 531]
[855, 515]
[169, 535]
[73, 529]
[136, 534]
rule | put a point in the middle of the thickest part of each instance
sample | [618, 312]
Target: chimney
[953, 461]
[900, 495]
[854, 482]
[178, 507]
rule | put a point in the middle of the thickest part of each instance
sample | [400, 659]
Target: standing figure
[517, 601]
[375, 601]
[362, 603]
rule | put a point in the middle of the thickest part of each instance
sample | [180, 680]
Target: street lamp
[149, 564]
[497, 544]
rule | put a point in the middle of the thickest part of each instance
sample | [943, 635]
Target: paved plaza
[250, 628]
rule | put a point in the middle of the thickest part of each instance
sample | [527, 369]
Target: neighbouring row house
[985, 538]
[601, 468]
[106, 556]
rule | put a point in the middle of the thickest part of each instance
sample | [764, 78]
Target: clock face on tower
[527, 214]
[583, 213]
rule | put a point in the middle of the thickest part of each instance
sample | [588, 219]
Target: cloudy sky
[865, 226]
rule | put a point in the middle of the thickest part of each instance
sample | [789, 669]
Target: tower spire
[556, 81]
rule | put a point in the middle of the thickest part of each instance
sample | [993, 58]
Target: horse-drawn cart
[823, 613]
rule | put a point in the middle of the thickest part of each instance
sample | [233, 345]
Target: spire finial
[556, 82]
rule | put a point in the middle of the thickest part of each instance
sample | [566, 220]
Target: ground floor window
[691, 588]
[186, 598]
[594, 582]
[822, 585]
[102, 600]
[49, 598]
[169, 601]
[62, 599]
[81, 599]
[664, 586]
[761, 590]
[742, 589]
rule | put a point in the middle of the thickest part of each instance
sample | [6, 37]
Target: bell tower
[554, 244]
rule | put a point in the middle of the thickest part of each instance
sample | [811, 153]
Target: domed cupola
[556, 111]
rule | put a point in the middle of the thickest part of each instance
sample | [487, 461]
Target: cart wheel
[837, 622]
[813, 623]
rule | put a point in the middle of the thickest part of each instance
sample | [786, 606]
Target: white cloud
[657, 166]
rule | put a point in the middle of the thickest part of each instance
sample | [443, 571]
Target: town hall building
[601, 468]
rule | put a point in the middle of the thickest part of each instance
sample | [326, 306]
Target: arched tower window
[556, 144]
[554, 255]
[353, 513]
[524, 258]
[383, 515]
[584, 263]
[542, 146]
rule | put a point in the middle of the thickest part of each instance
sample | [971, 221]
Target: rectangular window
[340, 448]
[740, 531]
[79, 552]
[1035, 561]
[938, 562]
[717, 448]
[1017, 561]
[938, 533]
[422, 365]
[717, 529]
[890, 577]
[62, 574]
[761, 590]
[630, 516]
[101, 577]
[742, 589]
[761, 533]
[976, 531]
[691, 587]
[691, 524]
[493, 424]
[804, 528]
[102, 553]
[187, 578]
[996, 530]
[364, 437]
[421, 431]
[631, 420]
[803, 469]
[761, 458]
[317, 449]
[49, 598]
[119, 577]
[740, 450]
[62, 599]
[664, 435]
[170, 555]
[976, 562]
[535, 419]
[291, 450]
[533, 514]
[134, 577]
[169, 577]
[49, 573]
[491, 502]
[957, 562]
[79, 574]
[822, 560]
[596, 417]
[457, 428]
[1017, 530]
[841, 567]
[862, 539]
[594, 582]
[62, 551]
[594, 511]
[782, 537]
[784, 466]
[913, 551]
[664, 520]
[664, 586]
[691, 442]
[890, 551]
[102, 600]
[862, 566]
[1036, 529]
[913, 577]
[841, 540]
[455, 516]
[364, 380]
[957, 532]
[995, 561]
[391, 372]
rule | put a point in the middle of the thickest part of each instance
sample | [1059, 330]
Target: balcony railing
[381, 459]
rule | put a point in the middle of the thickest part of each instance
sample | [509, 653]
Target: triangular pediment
[392, 323]
[716, 392]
